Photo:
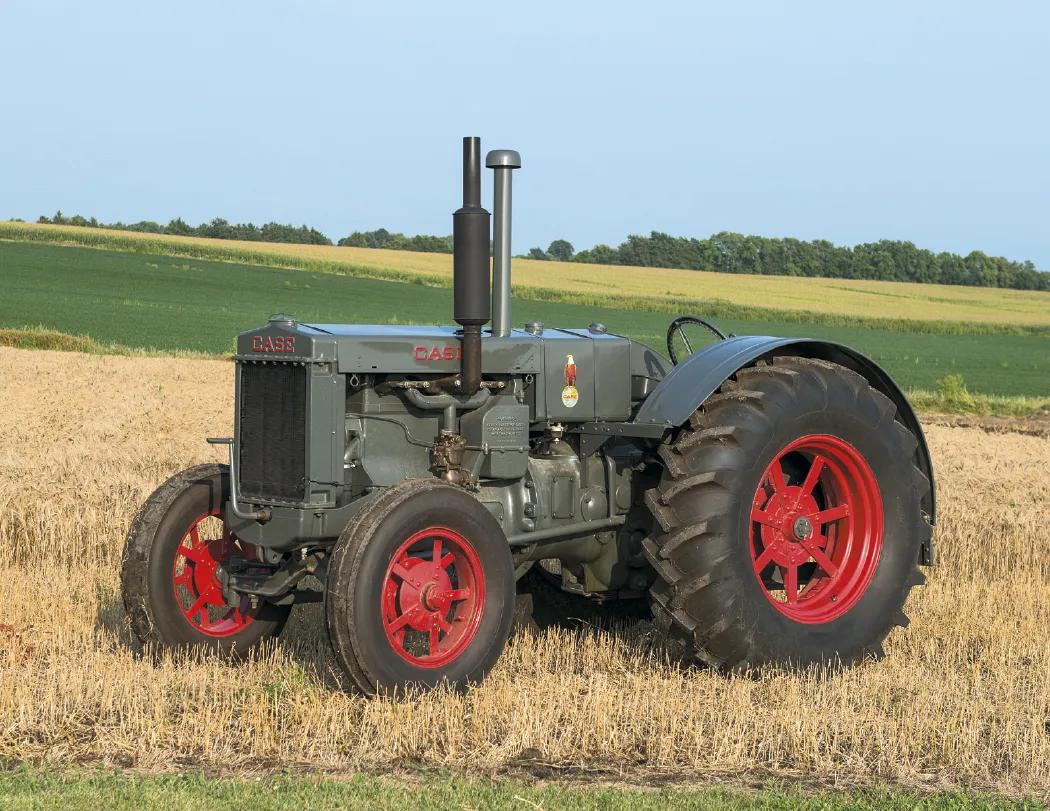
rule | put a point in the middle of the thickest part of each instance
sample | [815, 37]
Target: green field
[103, 790]
[168, 303]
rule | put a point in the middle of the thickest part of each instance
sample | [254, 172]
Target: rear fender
[700, 375]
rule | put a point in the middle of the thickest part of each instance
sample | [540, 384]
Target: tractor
[770, 498]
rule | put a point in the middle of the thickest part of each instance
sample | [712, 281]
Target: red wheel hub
[207, 546]
[432, 598]
[816, 528]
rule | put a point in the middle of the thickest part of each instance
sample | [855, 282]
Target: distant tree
[537, 253]
[561, 250]
[178, 227]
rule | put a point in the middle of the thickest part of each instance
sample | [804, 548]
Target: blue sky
[852, 122]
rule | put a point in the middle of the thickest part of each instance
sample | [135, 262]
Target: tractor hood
[606, 368]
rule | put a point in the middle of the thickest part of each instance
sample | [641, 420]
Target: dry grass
[962, 699]
[655, 288]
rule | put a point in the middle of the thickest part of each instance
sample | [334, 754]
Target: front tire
[170, 572]
[420, 589]
[789, 520]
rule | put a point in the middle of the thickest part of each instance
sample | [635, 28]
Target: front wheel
[175, 556]
[420, 589]
[790, 520]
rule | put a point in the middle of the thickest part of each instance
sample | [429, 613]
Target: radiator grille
[273, 432]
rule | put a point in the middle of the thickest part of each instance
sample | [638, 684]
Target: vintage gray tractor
[771, 497]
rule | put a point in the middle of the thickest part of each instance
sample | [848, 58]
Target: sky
[925, 121]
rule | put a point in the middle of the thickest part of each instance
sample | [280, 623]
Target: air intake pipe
[472, 306]
[502, 162]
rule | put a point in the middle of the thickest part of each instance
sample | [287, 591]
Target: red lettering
[281, 343]
[437, 353]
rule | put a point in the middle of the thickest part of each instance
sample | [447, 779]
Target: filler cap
[283, 318]
[503, 159]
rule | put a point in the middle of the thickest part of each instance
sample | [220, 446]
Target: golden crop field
[613, 284]
[962, 699]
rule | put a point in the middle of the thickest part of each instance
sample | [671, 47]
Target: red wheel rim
[206, 546]
[816, 528]
[432, 598]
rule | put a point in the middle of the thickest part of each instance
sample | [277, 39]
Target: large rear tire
[420, 590]
[789, 520]
[170, 575]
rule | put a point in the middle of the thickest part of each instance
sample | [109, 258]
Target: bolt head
[802, 528]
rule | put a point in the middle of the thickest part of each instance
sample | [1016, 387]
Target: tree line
[887, 260]
[218, 228]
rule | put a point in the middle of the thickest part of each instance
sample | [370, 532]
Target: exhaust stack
[502, 162]
[472, 306]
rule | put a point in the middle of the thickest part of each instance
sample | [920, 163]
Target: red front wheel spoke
[402, 620]
[448, 560]
[195, 553]
[459, 594]
[435, 634]
[402, 572]
[199, 605]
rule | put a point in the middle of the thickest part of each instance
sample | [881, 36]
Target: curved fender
[698, 377]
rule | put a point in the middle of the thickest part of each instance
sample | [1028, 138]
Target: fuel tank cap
[534, 327]
[283, 319]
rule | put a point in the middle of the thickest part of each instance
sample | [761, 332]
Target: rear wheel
[175, 556]
[420, 589]
[790, 520]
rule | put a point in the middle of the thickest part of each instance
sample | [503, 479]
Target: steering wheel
[678, 325]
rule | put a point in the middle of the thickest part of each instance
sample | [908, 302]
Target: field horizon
[100, 298]
[947, 309]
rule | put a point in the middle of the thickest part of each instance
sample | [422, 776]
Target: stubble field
[962, 698]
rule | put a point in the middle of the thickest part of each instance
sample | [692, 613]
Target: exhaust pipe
[472, 306]
[502, 162]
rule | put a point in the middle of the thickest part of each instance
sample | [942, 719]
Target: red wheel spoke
[813, 476]
[763, 518]
[403, 620]
[763, 560]
[197, 607]
[448, 560]
[434, 635]
[404, 574]
[436, 557]
[458, 594]
[445, 625]
[197, 554]
[823, 561]
[791, 583]
[775, 473]
[831, 514]
[184, 578]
